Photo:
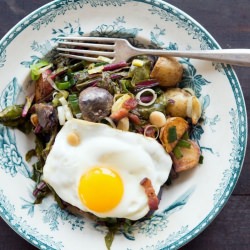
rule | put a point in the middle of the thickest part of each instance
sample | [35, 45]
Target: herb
[35, 69]
[183, 144]
[201, 159]
[177, 152]
[74, 104]
[185, 136]
[63, 85]
[172, 134]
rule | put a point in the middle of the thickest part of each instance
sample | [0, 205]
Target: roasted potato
[168, 71]
[183, 104]
[181, 126]
[189, 159]
[177, 105]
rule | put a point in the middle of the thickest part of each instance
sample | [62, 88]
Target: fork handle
[240, 57]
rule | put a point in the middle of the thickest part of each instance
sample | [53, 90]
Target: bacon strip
[119, 114]
[130, 104]
[134, 118]
[153, 200]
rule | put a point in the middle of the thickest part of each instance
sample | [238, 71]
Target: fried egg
[98, 169]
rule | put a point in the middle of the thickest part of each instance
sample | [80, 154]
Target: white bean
[157, 118]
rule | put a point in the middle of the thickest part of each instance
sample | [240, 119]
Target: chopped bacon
[153, 200]
[130, 104]
[134, 118]
[119, 114]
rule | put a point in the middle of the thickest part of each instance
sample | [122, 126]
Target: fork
[117, 49]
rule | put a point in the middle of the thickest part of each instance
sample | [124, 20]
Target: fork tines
[87, 48]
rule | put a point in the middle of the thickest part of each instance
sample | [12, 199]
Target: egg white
[131, 155]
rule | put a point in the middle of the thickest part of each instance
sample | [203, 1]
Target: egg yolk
[100, 189]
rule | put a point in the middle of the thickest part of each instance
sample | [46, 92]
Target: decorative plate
[196, 197]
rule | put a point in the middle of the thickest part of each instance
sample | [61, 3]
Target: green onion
[57, 96]
[74, 103]
[172, 135]
[63, 85]
[177, 152]
[185, 136]
[201, 159]
[183, 144]
[35, 69]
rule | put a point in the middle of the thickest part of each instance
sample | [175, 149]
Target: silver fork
[117, 49]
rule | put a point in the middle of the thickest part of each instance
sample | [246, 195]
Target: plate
[196, 197]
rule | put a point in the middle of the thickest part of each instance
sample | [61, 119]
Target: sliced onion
[138, 97]
[63, 101]
[68, 113]
[110, 122]
[157, 130]
[52, 83]
[61, 115]
[146, 99]
[78, 116]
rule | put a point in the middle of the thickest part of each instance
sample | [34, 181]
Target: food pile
[121, 127]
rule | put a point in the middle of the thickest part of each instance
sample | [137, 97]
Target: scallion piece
[183, 144]
[36, 69]
[172, 135]
[63, 85]
[201, 159]
[74, 104]
[185, 136]
[177, 152]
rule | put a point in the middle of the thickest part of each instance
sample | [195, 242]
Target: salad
[140, 96]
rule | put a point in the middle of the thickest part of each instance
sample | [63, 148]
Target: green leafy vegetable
[12, 117]
[139, 74]
[37, 171]
[49, 144]
[11, 113]
[30, 154]
[109, 237]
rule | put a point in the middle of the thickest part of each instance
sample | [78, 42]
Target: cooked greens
[98, 92]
